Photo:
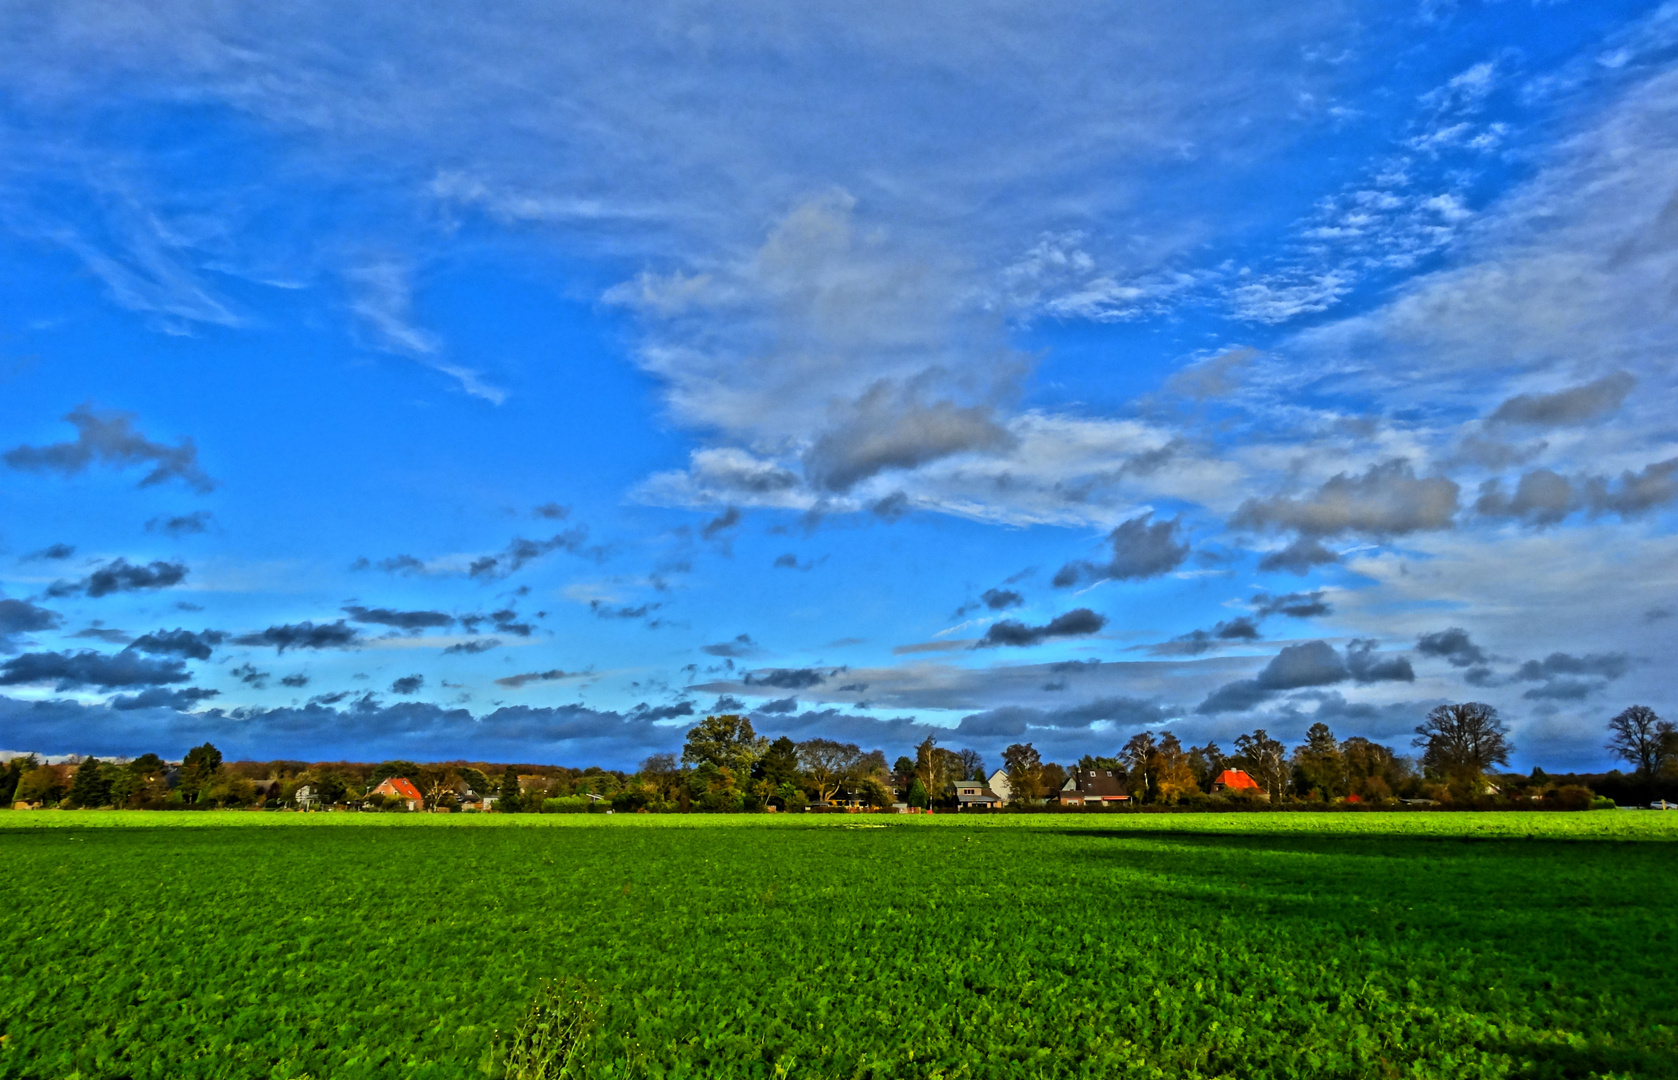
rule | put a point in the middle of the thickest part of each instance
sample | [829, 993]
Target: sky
[525, 384]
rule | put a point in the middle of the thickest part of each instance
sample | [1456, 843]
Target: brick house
[1094, 787]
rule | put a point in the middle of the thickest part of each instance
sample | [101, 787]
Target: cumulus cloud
[304, 635]
[407, 685]
[780, 706]
[786, 678]
[19, 617]
[653, 714]
[1367, 666]
[1311, 664]
[110, 439]
[1452, 645]
[1297, 605]
[1075, 623]
[1564, 677]
[1544, 497]
[1386, 500]
[888, 428]
[1299, 556]
[1142, 548]
[69, 671]
[120, 576]
[1574, 405]
[1014, 721]
[178, 642]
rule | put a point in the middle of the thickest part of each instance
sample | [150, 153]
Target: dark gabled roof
[1098, 783]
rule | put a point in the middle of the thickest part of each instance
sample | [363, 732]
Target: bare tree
[1643, 739]
[1463, 741]
[972, 765]
[828, 764]
[932, 766]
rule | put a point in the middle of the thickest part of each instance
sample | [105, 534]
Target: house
[1000, 787]
[399, 787]
[307, 797]
[1235, 780]
[266, 789]
[1094, 787]
[975, 794]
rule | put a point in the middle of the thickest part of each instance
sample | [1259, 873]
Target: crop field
[1257, 945]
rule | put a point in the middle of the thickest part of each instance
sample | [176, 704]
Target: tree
[408, 770]
[12, 775]
[1318, 764]
[1054, 778]
[828, 764]
[1025, 772]
[1462, 742]
[726, 741]
[198, 771]
[441, 786]
[972, 765]
[779, 764]
[932, 767]
[1643, 739]
[474, 779]
[1174, 776]
[1135, 757]
[40, 785]
[90, 787]
[1207, 762]
[511, 799]
[904, 766]
[1374, 771]
[1266, 761]
[918, 794]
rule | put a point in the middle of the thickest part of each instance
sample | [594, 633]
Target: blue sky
[386, 384]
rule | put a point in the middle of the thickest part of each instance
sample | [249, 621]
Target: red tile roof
[400, 787]
[1236, 779]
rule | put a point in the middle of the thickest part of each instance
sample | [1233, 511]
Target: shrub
[566, 804]
[1573, 797]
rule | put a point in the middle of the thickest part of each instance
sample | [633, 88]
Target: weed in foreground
[555, 1026]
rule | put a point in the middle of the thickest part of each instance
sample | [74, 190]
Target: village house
[1094, 787]
[975, 794]
[306, 797]
[1000, 787]
[1235, 780]
[399, 787]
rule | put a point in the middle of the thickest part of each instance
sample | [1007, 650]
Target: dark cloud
[789, 561]
[121, 576]
[892, 508]
[888, 428]
[1657, 613]
[198, 521]
[728, 703]
[1306, 605]
[296, 682]
[304, 635]
[513, 682]
[653, 714]
[1367, 666]
[51, 552]
[396, 564]
[552, 511]
[741, 646]
[1142, 548]
[471, 648]
[728, 519]
[1013, 721]
[504, 621]
[68, 671]
[1001, 599]
[98, 631]
[401, 620]
[1387, 500]
[1542, 497]
[1314, 663]
[622, 611]
[407, 685]
[786, 678]
[1475, 449]
[179, 642]
[250, 676]
[1299, 556]
[1636, 493]
[779, 706]
[1452, 645]
[1074, 623]
[19, 617]
[1599, 665]
[521, 552]
[159, 698]
[1240, 629]
[1480, 676]
[1575, 405]
[330, 699]
[111, 439]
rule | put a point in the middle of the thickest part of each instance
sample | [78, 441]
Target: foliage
[1279, 945]
[1642, 738]
[1462, 743]
[1265, 760]
[727, 742]
[1025, 772]
[511, 799]
[198, 771]
[827, 764]
[90, 787]
[554, 1027]
[42, 784]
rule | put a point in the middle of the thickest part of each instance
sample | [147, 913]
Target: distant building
[1235, 780]
[1089, 787]
[1000, 787]
[306, 797]
[976, 795]
[399, 787]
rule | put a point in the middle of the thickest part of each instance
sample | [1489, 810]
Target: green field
[1253, 945]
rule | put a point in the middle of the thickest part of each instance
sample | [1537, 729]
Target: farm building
[399, 787]
[1234, 780]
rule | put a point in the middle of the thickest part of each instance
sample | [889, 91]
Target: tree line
[726, 767]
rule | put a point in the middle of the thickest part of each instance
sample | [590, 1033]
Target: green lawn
[1256, 945]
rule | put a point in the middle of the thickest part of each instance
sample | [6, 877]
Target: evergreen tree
[199, 770]
[512, 799]
[90, 788]
[779, 764]
[917, 794]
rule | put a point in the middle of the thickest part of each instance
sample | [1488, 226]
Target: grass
[1255, 945]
